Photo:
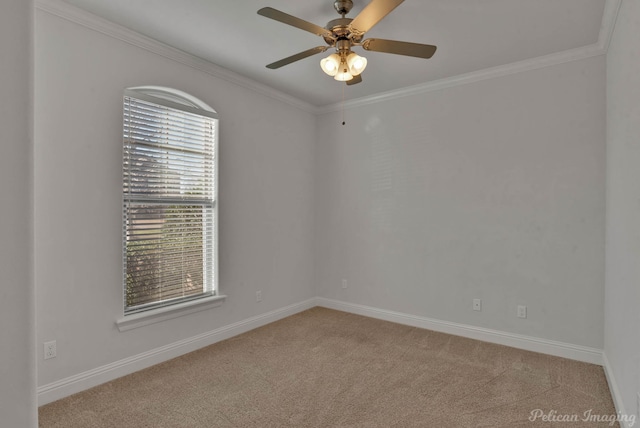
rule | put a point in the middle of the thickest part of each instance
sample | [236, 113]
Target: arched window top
[173, 96]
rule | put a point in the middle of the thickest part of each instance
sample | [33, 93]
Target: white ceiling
[471, 35]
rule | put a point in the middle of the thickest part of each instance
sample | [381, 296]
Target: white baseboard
[535, 344]
[82, 381]
[615, 393]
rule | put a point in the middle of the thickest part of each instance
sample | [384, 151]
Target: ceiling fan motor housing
[340, 30]
[342, 6]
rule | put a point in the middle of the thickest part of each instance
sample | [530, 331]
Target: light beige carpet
[324, 368]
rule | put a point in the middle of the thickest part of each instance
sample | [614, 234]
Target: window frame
[144, 314]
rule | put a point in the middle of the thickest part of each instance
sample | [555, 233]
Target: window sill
[129, 322]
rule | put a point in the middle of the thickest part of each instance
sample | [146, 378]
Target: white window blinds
[169, 195]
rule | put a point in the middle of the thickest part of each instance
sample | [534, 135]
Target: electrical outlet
[477, 304]
[344, 283]
[258, 296]
[522, 311]
[50, 350]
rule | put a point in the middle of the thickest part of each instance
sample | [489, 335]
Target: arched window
[169, 198]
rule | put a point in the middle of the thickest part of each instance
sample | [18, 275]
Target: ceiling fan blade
[356, 79]
[297, 57]
[372, 14]
[285, 18]
[399, 48]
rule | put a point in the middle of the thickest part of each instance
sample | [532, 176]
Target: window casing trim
[159, 314]
[161, 311]
[171, 98]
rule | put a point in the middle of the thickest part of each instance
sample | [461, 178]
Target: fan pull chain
[343, 122]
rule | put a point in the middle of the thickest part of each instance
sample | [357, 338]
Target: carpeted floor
[324, 368]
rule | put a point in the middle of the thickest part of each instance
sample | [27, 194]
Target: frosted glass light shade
[356, 63]
[330, 64]
[343, 73]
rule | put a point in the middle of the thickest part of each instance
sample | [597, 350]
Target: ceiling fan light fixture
[356, 63]
[343, 34]
[343, 74]
[331, 64]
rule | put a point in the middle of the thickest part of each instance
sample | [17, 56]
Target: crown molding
[472, 77]
[86, 19]
[74, 14]
[609, 17]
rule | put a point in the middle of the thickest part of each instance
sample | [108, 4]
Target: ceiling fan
[346, 33]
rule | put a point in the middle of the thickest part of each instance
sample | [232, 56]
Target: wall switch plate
[50, 350]
[522, 311]
[344, 283]
[258, 296]
[477, 304]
